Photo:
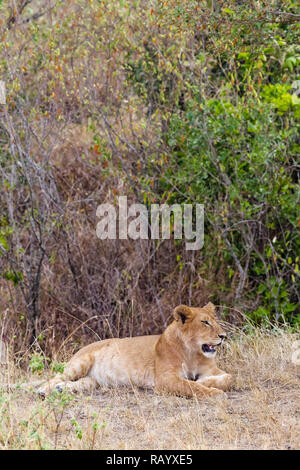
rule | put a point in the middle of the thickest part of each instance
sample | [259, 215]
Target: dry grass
[261, 412]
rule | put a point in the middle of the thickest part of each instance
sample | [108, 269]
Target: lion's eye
[206, 323]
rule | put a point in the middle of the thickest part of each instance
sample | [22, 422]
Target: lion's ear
[210, 308]
[183, 313]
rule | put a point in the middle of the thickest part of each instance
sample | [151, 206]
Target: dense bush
[166, 101]
[240, 162]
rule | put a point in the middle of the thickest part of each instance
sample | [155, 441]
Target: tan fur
[172, 362]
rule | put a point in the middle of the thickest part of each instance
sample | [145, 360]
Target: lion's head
[199, 328]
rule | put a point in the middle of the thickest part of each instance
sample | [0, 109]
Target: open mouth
[209, 348]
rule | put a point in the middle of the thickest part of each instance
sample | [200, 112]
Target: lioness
[180, 361]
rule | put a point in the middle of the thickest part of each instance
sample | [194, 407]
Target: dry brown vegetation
[261, 412]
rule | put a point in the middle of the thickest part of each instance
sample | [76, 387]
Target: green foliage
[237, 159]
[282, 98]
[59, 400]
[234, 147]
[15, 277]
[36, 363]
[58, 367]
[77, 428]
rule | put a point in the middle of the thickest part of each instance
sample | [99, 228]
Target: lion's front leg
[221, 380]
[172, 383]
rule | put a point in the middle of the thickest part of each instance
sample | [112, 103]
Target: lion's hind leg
[76, 368]
[83, 385]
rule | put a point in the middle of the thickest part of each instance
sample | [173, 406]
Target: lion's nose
[222, 336]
